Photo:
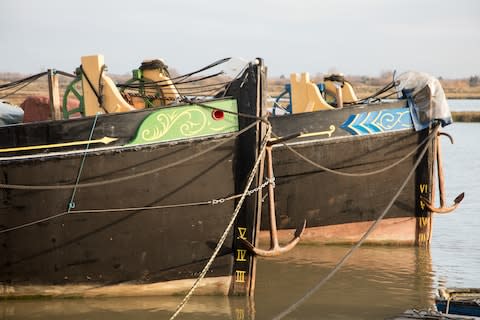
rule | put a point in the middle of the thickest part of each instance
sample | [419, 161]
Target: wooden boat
[339, 164]
[123, 201]
[137, 192]
[429, 315]
[461, 301]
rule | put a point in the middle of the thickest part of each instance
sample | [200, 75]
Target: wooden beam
[54, 94]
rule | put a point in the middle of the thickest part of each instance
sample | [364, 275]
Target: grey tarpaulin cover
[426, 98]
[10, 114]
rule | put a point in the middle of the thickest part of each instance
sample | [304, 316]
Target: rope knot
[272, 181]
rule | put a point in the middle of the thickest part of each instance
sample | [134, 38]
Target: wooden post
[54, 95]
[339, 94]
[424, 185]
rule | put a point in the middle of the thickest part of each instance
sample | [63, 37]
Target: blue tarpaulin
[10, 114]
[426, 99]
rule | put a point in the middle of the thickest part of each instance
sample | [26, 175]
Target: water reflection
[375, 283]
[120, 308]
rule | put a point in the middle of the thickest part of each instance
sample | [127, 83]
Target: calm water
[377, 282]
[464, 104]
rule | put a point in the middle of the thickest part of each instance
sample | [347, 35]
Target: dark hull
[111, 248]
[339, 209]
[151, 234]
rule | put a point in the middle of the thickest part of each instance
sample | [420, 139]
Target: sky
[355, 37]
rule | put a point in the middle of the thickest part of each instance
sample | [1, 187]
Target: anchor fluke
[443, 209]
[459, 198]
[275, 248]
[441, 182]
[446, 135]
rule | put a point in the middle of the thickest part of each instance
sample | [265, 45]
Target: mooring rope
[212, 202]
[28, 224]
[179, 85]
[22, 83]
[182, 78]
[363, 238]
[229, 226]
[359, 174]
[376, 96]
[124, 178]
[240, 114]
[10, 85]
[71, 204]
[75, 186]
[66, 74]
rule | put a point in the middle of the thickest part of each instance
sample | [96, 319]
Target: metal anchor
[441, 182]
[275, 248]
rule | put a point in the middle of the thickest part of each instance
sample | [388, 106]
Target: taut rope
[229, 226]
[363, 238]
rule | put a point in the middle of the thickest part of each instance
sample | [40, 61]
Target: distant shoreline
[466, 116]
[363, 86]
[464, 97]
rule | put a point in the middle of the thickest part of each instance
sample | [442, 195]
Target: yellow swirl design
[166, 121]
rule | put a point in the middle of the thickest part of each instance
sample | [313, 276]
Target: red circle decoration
[217, 115]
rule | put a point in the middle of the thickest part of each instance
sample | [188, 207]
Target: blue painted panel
[469, 308]
[378, 121]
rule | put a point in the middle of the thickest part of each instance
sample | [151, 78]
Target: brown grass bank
[466, 116]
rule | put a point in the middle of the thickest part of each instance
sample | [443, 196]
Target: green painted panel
[187, 121]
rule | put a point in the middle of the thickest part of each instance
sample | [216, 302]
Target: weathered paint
[208, 286]
[378, 121]
[191, 121]
[395, 231]
[304, 191]
[112, 101]
[305, 95]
